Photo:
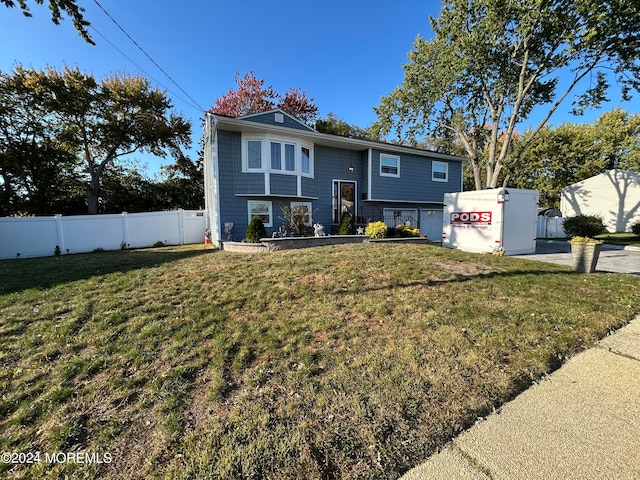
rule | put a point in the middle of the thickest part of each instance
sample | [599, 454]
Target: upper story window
[439, 171]
[305, 167]
[265, 154]
[389, 165]
[254, 154]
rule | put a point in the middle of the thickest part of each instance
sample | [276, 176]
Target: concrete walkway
[612, 258]
[581, 422]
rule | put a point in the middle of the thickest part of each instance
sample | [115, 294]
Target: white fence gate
[550, 227]
[39, 236]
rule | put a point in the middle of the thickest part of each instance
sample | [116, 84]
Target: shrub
[296, 219]
[635, 229]
[584, 226]
[347, 225]
[158, 244]
[255, 230]
[584, 240]
[407, 231]
[376, 230]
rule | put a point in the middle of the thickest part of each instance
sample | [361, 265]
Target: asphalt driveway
[613, 258]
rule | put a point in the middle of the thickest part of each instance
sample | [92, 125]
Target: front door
[344, 199]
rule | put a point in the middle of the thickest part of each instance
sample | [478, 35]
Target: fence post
[181, 225]
[60, 232]
[125, 230]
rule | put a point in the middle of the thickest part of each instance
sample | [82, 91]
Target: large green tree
[491, 62]
[91, 124]
[57, 7]
[112, 119]
[570, 153]
[38, 170]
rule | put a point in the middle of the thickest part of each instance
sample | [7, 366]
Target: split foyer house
[256, 164]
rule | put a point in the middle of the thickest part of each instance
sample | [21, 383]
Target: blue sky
[344, 54]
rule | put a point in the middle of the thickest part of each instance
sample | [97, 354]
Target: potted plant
[584, 254]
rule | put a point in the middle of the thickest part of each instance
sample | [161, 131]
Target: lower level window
[262, 210]
[305, 209]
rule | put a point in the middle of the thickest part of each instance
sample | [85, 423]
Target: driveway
[613, 258]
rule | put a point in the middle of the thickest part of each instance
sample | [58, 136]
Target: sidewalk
[581, 422]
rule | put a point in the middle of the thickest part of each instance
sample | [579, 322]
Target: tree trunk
[93, 192]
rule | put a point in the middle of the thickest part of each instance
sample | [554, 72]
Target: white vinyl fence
[550, 227]
[39, 236]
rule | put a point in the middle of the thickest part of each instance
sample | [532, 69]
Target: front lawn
[352, 361]
[620, 239]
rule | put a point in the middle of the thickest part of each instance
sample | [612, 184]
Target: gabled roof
[269, 116]
[259, 123]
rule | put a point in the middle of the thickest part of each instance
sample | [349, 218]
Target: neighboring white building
[614, 195]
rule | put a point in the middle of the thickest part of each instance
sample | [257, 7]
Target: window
[439, 171]
[276, 156]
[306, 208]
[289, 157]
[389, 165]
[261, 210]
[254, 154]
[306, 160]
[285, 156]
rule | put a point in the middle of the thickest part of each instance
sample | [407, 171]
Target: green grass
[354, 361]
[620, 239]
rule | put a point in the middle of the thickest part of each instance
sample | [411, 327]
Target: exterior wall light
[503, 195]
[351, 167]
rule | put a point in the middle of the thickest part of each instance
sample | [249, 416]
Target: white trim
[390, 157]
[406, 202]
[277, 111]
[275, 195]
[239, 124]
[446, 171]
[269, 203]
[370, 160]
[266, 140]
[355, 197]
[212, 178]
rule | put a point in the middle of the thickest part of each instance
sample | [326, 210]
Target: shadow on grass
[46, 272]
[461, 278]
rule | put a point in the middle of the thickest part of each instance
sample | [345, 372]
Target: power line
[191, 104]
[148, 56]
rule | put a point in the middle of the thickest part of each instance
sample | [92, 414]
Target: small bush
[255, 230]
[407, 231]
[376, 230]
[635, 229]
[159, 243]
[296, 219]
[584, 226]
[584, 240]
[347, 225]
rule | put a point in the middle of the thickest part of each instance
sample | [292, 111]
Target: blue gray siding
[414, 183]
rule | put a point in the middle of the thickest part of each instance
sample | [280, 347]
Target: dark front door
[344, 199]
